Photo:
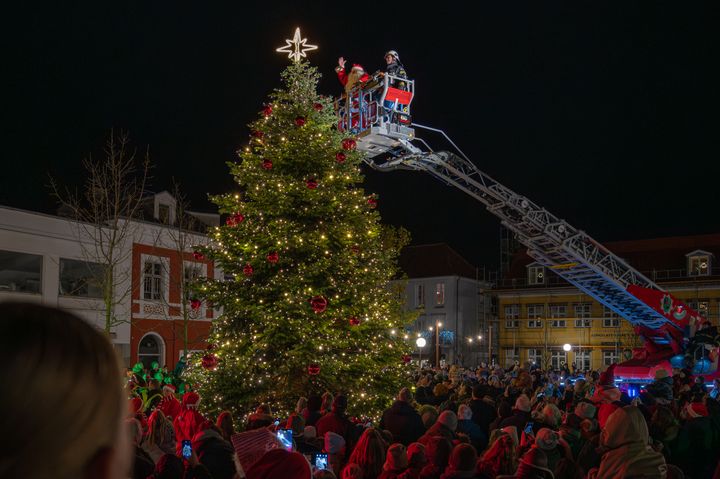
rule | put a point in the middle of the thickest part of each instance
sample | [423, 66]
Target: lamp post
[438, 325]
[420, 343]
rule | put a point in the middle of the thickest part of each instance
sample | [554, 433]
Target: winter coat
[424, 395]
[436, 429]
[484, 414]
[625, 440]
[396, 69]
[339, 424]
[519, 419]
[143, 465]
[186, 425]
[170, 406]
[404, 422]
[693, 448]
[477, 437]
[215, 453]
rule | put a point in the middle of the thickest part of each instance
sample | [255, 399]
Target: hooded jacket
[625, 440]
[404, 422]
[215, 453]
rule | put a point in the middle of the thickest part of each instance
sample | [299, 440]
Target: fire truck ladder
[570, 253]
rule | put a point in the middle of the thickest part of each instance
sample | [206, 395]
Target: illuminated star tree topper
[297, 47]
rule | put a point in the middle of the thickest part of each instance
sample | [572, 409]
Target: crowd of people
[70, 420]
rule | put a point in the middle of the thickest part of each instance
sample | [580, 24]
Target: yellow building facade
[546, 321]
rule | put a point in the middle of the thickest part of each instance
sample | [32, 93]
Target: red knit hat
[191, 399]
[169, 387]
[357, 66]
[280, 463]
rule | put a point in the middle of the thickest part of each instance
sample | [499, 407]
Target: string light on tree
[296, 48]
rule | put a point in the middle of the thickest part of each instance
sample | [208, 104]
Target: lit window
[511, 355]
[439, 294]
[535, 312]
[558, 359]
[512, 315]
[535, 356]
[699, 265]
[536, 275]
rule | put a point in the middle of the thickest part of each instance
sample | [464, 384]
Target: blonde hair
[157, 427]
[65, 404]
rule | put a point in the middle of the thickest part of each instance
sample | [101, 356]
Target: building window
[439, 294]
[582, 314]
[535, 356]
[558, 323]
[512, 311]
[610, 357]
[582, 359]
[152, 280]
[164, 213]
[536, 275]
[535, 323]
[699, 265]
[558, 359]
[81, 278]
[419, 296]
[702, 306]
[512, 323]
[610, 318]
[558, 311]
[535, 313]
[20, 272]
[511, 355]
[149, 350]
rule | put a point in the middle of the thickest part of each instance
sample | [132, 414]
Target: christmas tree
[307, 303]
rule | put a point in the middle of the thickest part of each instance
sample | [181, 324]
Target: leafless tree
[101, 214]
[182, 236]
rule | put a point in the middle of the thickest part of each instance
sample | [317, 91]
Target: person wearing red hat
[189, 421]
[349, 80]
[169, 405]
[279, 463]
[607, 395]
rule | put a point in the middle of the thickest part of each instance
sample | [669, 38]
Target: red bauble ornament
[267, 111]
[209, 361]
[313, 369]
[195, 304]
[349, 144]
[273, 257]
[257, 134]
[354, 321]
[299, 120]
[318, 107]
[372, 203]
[318, 304]
[198, 255]
[406, 358]
[340, 157]
[355, 249]
[235, 219]
[248, 270]
[267, 164]
[311, 184]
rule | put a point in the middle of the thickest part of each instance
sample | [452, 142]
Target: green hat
[155, 365]
[138, 368]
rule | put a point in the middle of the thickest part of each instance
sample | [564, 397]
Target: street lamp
[420, 343]
[438, 325]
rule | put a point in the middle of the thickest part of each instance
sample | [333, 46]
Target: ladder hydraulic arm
[569, 252]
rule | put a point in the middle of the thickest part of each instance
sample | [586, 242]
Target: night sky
[606, 114]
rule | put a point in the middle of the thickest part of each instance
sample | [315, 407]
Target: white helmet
[392, 53]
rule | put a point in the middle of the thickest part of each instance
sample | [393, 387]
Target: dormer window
[164, 213]
[699, 263]
[536, 274]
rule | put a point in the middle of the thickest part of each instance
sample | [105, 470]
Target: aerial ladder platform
[378, 115]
